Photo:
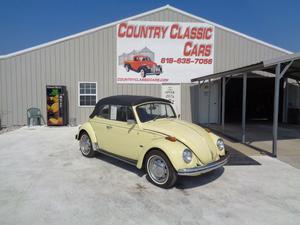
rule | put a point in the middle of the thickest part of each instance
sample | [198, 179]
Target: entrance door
[209, 115]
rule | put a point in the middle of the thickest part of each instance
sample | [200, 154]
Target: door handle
[108, 127]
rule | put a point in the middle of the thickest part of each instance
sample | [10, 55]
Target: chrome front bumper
[204, 169]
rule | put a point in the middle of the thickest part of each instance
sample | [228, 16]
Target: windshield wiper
[167, 117]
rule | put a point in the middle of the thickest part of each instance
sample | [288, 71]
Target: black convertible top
[125, 100]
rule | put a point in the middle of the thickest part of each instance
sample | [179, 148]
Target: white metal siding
[92, 57]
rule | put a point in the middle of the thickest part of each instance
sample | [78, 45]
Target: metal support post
[199, 100]
[223, 102]
[279, 74]
[208, 111]
[285, 101]
[244, 108]
[275, 115]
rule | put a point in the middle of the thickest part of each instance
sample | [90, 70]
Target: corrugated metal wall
[92, 57]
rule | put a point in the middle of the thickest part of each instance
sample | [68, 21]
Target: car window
[104, 112]
[130, 115]
[121, 113]
[152, 111]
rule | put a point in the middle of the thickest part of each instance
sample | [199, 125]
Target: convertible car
[146, 132]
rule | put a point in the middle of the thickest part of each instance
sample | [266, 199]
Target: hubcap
[158, 169]
[85, 144]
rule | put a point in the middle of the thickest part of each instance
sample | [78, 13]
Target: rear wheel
[160, 169]
[160, 71]
[86, 146]
[143, 73]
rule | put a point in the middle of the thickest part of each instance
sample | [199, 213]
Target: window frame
[78, 91]
[117, 112]
[108, 112]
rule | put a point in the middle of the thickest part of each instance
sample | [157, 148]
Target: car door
[101, 124]
[124, 133]
[136, 63]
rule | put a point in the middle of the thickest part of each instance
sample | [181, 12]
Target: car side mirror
[131, 122]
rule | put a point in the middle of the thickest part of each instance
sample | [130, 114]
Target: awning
[293, 71]
[287, 66]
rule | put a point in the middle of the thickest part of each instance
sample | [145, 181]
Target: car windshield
[154, 111]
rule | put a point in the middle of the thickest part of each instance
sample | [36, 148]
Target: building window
[87, 93]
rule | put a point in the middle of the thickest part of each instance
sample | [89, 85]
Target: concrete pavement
[260, 136]
[44, 179]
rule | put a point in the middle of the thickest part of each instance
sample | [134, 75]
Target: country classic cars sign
[163, 52]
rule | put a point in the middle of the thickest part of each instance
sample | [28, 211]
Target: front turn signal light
[207, 130]
[171, 138]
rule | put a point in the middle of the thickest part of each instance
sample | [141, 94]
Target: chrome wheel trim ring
[85, 144]
[142, 73]
[157, 169]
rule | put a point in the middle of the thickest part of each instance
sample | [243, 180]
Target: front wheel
[86, 146]
[127, 68]
[160, 170]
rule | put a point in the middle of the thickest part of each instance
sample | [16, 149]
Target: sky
[26, 23]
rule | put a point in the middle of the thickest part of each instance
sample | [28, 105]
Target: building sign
[163, 52]
[172, 92]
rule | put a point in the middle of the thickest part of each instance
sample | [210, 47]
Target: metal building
[90, 56]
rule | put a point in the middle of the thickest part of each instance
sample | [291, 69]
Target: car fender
[173, 150]
[87, 127]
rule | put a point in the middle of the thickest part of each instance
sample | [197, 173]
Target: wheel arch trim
[172, 150]
[87, 127]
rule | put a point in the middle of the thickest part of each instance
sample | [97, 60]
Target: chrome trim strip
[204, 169]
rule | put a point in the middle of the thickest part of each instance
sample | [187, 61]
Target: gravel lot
[44, 179]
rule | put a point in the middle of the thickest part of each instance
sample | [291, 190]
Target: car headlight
[187, 155]
[220, 144]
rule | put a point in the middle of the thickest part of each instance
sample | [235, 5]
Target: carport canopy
[287, 66]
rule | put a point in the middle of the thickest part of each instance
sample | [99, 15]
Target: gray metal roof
[267, 66]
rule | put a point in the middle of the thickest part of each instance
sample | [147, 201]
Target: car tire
[143, 73]
[127, 68]
[160, 170]
[86, 146]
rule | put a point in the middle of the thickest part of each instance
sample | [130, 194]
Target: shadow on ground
[236, 159]
[197, 181]
[120, 164]
[239, 159]
[237, 140]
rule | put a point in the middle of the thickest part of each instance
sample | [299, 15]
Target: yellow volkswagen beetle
[145, 132]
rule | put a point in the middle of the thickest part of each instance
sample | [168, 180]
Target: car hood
[193, 136]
